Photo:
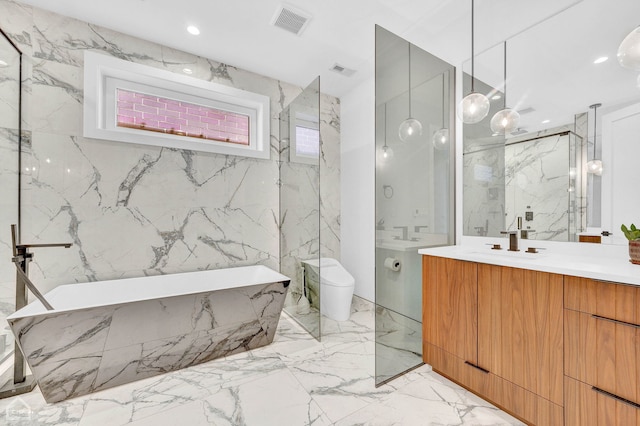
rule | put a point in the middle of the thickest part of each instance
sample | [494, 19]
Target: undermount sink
[504, 253]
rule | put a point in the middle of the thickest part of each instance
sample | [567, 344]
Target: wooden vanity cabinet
[498, 332]
[602, 335]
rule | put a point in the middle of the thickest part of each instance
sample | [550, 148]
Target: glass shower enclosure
[414, 191]
[300, 206]
[10, 144]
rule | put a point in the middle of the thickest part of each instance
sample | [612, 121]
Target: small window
[305, 137]
[129, 102]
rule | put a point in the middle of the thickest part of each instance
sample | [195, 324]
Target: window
[305, 136]
[134, 103]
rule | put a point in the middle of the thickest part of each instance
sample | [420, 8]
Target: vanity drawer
[603, 353]
[585, 405]
[606, 299]
[516, 400]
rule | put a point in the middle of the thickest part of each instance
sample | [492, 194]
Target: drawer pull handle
[477, 367]
[619, 398]
[615, 320]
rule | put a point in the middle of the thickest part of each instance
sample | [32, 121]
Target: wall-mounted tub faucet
[21, 257]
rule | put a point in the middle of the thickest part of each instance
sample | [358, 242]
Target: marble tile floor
[294, 381]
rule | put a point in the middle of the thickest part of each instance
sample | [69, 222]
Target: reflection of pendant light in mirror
[441, 137]
[505, 121]
[410, 128]
[629, 50]
[475, 106]
[387, 152]
[595, 166]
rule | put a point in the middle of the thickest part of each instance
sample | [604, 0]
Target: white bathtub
[104, 334]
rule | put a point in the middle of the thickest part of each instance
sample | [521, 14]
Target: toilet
[336, 287]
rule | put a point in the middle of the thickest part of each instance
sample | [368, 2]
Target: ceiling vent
[527, 110]
[290, 19]
[348, 72]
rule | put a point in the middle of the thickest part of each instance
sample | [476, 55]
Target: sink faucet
[405, 231]
[513, 240]
[419, 227]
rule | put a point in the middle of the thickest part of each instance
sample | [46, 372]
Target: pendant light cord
[595, 129]
[472, 43]
[409, 45]
[505, 74]
[443, 81]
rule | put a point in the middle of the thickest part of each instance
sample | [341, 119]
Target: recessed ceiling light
[187, 71]
[193, 30]
[546, 121]
[496, 97]
[601, 59]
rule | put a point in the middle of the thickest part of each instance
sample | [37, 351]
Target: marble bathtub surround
[74, 351]
[133, 210]
[325, 383]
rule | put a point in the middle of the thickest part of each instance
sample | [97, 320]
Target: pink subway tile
[176, 121]
[197, 111]
[166, 126]
[153, 117]
[144, 108]
[153, 103]
[190, 117]
[216, 114]
[125, 105]
[210, 120]
[129, 113]
[125, 119]
[170, 113]
[125, 96]
[178, 108]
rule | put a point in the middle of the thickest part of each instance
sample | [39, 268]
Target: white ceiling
[543, 52]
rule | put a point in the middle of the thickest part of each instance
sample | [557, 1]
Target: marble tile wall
[134, 210]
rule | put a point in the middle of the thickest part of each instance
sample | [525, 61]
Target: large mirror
[555, 72]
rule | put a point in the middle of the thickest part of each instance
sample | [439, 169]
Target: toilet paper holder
[392, 264]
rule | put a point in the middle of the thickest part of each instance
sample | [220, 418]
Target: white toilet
[336, 288]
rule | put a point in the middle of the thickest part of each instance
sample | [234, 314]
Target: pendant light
[629, 50]
[595, 166]
[387, 152]
[505, 121]
[440, 138]
[410, 128]
[475, 106]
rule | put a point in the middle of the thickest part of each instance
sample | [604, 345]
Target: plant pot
[634, 251]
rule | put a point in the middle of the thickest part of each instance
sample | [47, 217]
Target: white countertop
[608, 263]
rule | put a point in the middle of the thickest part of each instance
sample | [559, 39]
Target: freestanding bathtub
[104, 334]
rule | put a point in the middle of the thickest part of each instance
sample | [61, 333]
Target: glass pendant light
[410, 128]
[595, 166]
[386, 153]
[629, 50]
[505, 121]
[475, 106]
[440, 138]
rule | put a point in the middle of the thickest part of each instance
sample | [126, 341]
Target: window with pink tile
[158, 114]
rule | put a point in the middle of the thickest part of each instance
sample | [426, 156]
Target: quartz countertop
[608, 263]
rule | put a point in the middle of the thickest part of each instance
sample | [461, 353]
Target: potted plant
[633, 235]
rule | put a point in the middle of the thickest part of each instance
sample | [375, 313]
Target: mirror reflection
[557, 69]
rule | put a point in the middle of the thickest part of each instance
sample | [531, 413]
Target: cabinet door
[586, 406]
[450, 306]
[520, 328]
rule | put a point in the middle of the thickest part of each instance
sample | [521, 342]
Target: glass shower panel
[413, 190]
[300, 206]
[10, 118]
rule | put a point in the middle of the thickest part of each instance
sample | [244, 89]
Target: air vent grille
[290, 19]
[340, 69]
